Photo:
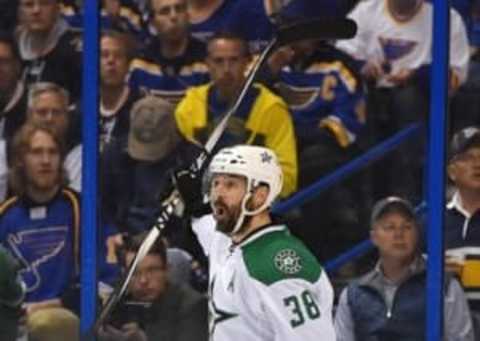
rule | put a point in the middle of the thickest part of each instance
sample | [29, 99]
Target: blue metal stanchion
[89, 171]
[373, 154]
[436, 169]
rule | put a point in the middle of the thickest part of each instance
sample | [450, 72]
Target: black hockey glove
[188, 181]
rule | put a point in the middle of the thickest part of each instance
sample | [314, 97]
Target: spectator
[208, 17]
[462, 224]
[12, 293]
[116, 98]
[183, 268]
[135, 169]
[41, 223]
[393, 43]
[263, 16]
[262, 119]
[118, 15]
[172, 311]
[259, 15]
[465, 105]
[174, 60]
[389, 302]
[13, 98]
[48, 105]
[49, 324]
[47, 45]
[41, 211]
[325, 95]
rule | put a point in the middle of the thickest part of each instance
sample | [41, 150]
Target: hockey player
[264, 283]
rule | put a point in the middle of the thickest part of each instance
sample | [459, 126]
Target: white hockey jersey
[267, 288]
[406, 44]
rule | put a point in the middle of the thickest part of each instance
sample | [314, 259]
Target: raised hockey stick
[310, 29]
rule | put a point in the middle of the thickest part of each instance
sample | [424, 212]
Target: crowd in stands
[169, 70]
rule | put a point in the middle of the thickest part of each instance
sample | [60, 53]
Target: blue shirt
[45, 238]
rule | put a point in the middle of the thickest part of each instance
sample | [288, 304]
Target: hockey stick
[311, 29]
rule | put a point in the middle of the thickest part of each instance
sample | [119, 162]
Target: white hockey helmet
[259, 165]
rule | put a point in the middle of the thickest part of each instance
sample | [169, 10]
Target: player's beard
[226, 216]
[227, 220]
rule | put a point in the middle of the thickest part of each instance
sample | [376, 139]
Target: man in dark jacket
[156, 308]
[136, 169]
[50, 50]
[462, 219]
[389, 302]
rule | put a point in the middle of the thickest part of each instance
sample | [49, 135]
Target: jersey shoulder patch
[279, 255]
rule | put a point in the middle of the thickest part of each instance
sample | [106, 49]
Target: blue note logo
[35, 248]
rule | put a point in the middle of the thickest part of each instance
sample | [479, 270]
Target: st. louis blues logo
[394, 49]
[34, 248]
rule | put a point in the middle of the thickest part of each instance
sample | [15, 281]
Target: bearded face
[226, 215]
[226, 196]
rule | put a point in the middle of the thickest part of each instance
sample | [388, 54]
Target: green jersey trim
[278, 255]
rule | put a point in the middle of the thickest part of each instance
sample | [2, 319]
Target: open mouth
[220, 211]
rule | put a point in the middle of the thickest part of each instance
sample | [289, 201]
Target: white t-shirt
[404, 45]
[73, 166]
[269, 287]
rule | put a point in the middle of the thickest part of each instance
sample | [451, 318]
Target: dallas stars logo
[288, 262]
[266, 157]
[216, 314]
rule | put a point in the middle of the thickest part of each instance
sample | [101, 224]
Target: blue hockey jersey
[45, 238]
[324, 91]
[169, 78]
[218, 21]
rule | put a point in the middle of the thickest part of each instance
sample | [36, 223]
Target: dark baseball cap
[463, 140]
[391, 204]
